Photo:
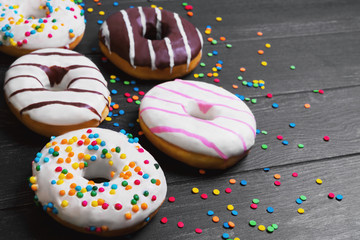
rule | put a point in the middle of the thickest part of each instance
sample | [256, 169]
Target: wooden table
[321, 39]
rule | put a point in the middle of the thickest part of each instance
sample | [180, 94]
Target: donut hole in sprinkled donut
[200, 109]
[33, 11]
[98, 171]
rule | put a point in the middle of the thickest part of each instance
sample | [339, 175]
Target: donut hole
[55, 75]
[32, 11]
[98, 171]
[152, 33]
[200, 109]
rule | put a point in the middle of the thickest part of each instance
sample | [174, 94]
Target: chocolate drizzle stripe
[71, 67]
[81, 78]
[45, 103]
[56, 53]
[27, 90]
[25, 76]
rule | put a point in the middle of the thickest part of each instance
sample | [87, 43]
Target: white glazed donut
[62, 181]
[198, 123]
[27, 25]
[53, 91]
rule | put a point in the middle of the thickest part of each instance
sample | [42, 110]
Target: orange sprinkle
[34, 187]
[131, 164]
[121, 175]
[144, 206]
[235, 86]
[232, 181]
[209, 74]
[222, 38]
[71, 35]
[96, 1]
[158, 182]
[202, 171]
[87, 141]
[242, 69]
[137, 169]
[83, 136]
[99, 4]
[128, 215]
[190, 14]
[259, 33]
[81, 165]
[54, 143]
[210, 39]
[115, 106]
[81, 155]
[91, 182]
[71, 154]
[68, 160]
[60, 160]
[126, 177]
[128, 173]
[73, 185]
[135, 208]
[64, 141]
[72, 192]
[62, 192]
[56, 148]
[128, 187]
[135, 97]
[69, 176]
[104, 228]
[277, 176]
[261, 52]
[231, 224]
[215, 219]
[112, 174]
[140, 133]
[307, 105]
[218, 65]
[101, 201]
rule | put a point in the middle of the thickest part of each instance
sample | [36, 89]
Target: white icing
[87, 216]
[152, 55]
[171, 53]
[50, 114]
[65, 21]
[184, 37]
[143, 21]
[158, 23]
[131, 37]
[106, 33]
[203, 110]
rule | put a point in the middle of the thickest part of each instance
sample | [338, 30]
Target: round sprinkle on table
[270, 210]
[210, 213]
[277, 176]
[285, 142]
[270, 229]
[171, 199]
[204, 196]
[261, 228]
[268, 45]
[198, 230]
[279, 137]
[300, 145]
[226, 225]
[164, 220]
[202, 171]
[264, 63]
[319, 181]
[301, 210]
[269, 95]
[219, 19]
[339, 197]
[303, 198]
[242, 69]
[231, 224]
[299, 201]
[292, 67]
[255, 200]
[266, 169]
[259, 33]
[234, 213]
[215, 219]
[264, 146]
[253, 206]
[228, 190]
[294, 174]
[195, 190]
[326, 138]
[180, 224]
[260, 52]
[292, 125]
[225, 236]
[277, 183]
[331, 195]
[275, 226]
[232, 181]
[216, 191]
[230, 207]
[252, 223]
[228, 45]
[306, 105]
[275, 105]
[243, 182]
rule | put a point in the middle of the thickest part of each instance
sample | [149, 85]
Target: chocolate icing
[119, 40]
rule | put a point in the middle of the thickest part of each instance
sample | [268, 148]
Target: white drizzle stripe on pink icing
[131, 37]
[143, 20]
[152, 54]
[200, 120]
[171, 53]
[204, 89]
[165, 129]
[196, 99]
[84, 216]
[158, 23]
[184, 37]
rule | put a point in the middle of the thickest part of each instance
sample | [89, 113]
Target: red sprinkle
[204, 196]
[84, 203]
[118, 206]
[277, 183]
[137, 182]
[216, 80]
[188, 7]
[105, 206]
[146, 161]
[89, 131]
[180, 224]
[101, 189]
[129, 100]
[269, 95]
[58, 169]
[141, 93]
[153, 198]
[171, 199]
[294, 174]
[326, 138]
[198, 230]
[253, 206]
[331, 195]
[321, 91]
[279, 137]
[228, 190]
[80, 142]
[164, 220]
[127, 94]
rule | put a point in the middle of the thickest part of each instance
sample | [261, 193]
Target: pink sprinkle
[98, 229]
[105, 206]
[279, 137]
[269, 95]
[26, 21]
[188, 7]
[137, 182]
[141, 93]
[93, 143]
[277, 183]
[72, 9]
[321, 91]
[228, 190]
[140, 173]
[204, 196]
[80, 142]
[253, 206]
[84, 203]
[180, 224]
[140, 150]
[129, 100]
[294, 174]
[50, 35]
[58, 169]
[331, 195]
[19, 43]
[118, 206]
[127, 94]
[48, 16]
[101, 189]
[326, 138]
[27, 34]
[153, 198]
[110, 108]
[146, 161]
[198, 230]
[216, 80]
[171, 199]
[45, 21]
[164, 220]
[25, 41]
[89, 131]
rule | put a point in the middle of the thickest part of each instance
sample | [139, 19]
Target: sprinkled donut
[53, 91]
[28, 25]
[149, 43]
[198, 123]
[63, 174]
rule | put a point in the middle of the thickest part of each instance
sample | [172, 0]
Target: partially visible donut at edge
[198, 123]
[29, 25]
[53, 91]
[151, 44]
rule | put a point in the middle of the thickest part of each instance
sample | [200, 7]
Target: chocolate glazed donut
[149, 43]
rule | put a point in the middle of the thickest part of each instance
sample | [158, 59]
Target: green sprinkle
[95, 188]
[38, 168]
[240, 78]
[93, 193]
[55, 154]
[210, 54]
[255, 200]
[315, 91]
[136, 197]
[201, 75]
[302, 197]
[146, 193]
[264, 146]
[270, 229]
[126, 82]
[202, 64]
[256, 85]
[252, 223]
[214, 42]
[112, 81]
[129, 135]
[79, 194]
[153, 181]
[253, 100]
[86, 164]
[300, 145]
[104, 151]
[117, 149]
[156, 166]
[228, 45]
[292, 67]
[247, 99]
[64, 171]
[244, 83]
[124, 183]
[184, 4]
[275, 226]
[264, 132]
[133, 201]
[138, 102]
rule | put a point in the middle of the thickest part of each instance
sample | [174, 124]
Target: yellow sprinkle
[64, 203]
[32, 179]
[75, 165]
[74, 138]
[236, 238]
[219, 19]
[267, 45]
[102, 13]
[230, 207]
[195, 190]
[94, 203]
[153, 6]
[33, 25]
[264, 63]
[108, 119]
[196, 75]
[59, 182]
[261, 81]
[216, 192]
[56, 9]
[111, 163]
[55, 27]
[1, 19]
[255, 81]
[301, 210]
[98, 141]
[108, 155]
[161, 8]
[319, 181]
[71, 141]
[112, 191]
[90, 10]
[83, 190]
[68, 149]
[42, 25]
[261, 227]
[112, 76]
[262, 87]
[214, 69]
[40, 30]
[207, 31]
[61, 176]
[126, 168]
[123, 156]
[48, 145]
[215, 74]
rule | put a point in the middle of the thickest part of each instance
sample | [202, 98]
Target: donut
[53, 91]
[28, 25]
[149, 43]
[98, 181]
[197, 123]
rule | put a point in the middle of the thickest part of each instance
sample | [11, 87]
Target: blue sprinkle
[96, 147]
[258, 131]
[147, 219]
[112, 104]
[55, 211]
[146, 176]
[136, 140]
[285, 142]
[121, 112]
[133, 82]
[113, 91]
[114, 186]
[225, 236]
[102, 155]
[220, 61]
[208, 26]
[215, 52]
[116, 4]
[36, 160]
[249, 84]
[106, 184]
[116, 124]
[91, 135]
[270, 210]
[226, 225]
[67, 8]
[33, 31]
[96, 135]
[275, 105]
[131, 7]
[243, 182]
[93, 158]
[266, 169]
[123, 131]
[46, 159]
[51, 150]
[261, 84]
[45, 207]
[41, 20]
[117, 79]
[299, 201]
[292, 125]
[339, 197]
[131, 140]
[131, 124]
[136, 89]
[234, 213]
[92, 228]
[78, 188]
[219, 68]
[71, 30]
[241, 97]
[88, 188]
[103, 143]
[210, 213]
[115, 115]
[50, 205]
[90, 147]
[100, 21]
[53, 182]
